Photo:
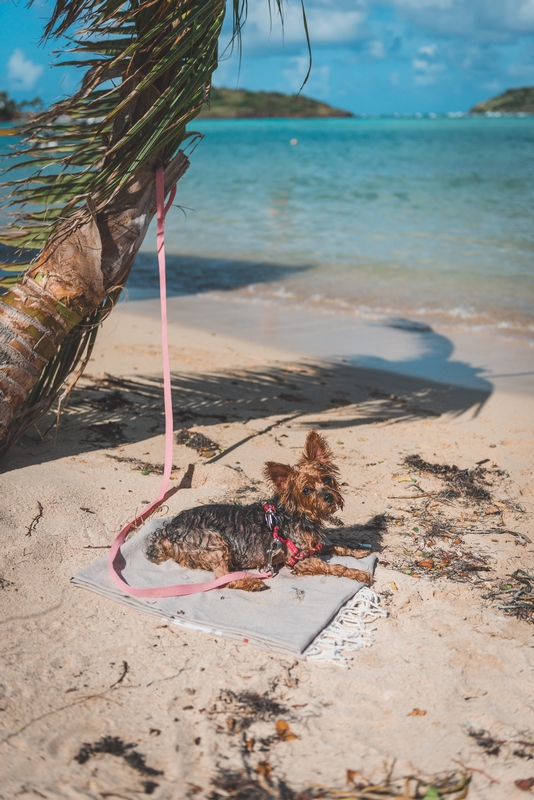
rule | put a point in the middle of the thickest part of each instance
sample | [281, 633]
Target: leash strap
[187, 588]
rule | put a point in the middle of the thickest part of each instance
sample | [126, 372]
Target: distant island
[242, 104]
[513, 101]
[10, 110]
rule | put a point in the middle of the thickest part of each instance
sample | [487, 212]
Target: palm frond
[147, 67]
[147, 72]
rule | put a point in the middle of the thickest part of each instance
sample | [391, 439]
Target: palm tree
[91, 196]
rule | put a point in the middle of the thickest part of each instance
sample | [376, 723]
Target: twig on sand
[77, 702]
[125, 669]
[35, 521]
[97, 547]
[474, 769]
[253, 436]
[411, 496]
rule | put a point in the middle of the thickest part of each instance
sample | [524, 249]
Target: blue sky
[370, 56]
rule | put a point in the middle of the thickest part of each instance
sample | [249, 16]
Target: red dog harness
[296, 553]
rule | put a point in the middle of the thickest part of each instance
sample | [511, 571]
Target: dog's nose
[329, 498]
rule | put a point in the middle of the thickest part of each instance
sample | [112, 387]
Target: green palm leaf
[147, 68]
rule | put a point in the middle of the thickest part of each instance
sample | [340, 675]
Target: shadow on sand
[110, 412]
[186, 274]
[433, 362]
[192, 274]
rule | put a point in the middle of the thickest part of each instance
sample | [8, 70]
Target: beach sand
[77, 667]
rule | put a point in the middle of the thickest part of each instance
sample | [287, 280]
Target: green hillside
[513, 101]
[242, 104]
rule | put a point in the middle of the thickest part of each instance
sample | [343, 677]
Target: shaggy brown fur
[226, 538]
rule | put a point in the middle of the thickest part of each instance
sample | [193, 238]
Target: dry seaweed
[516, 596]
[146, 467]
[245, 708]
[456, 565]
[245, 785]
[105, 433]
[112, 401]
[114, 746]
[197, 441]
[468, 483]
[518, 747]
[486, 742]
[438, 547]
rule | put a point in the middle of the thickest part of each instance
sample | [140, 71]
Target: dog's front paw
[362, 577]
[248, 585]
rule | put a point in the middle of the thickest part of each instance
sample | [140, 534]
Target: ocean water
[428, 219]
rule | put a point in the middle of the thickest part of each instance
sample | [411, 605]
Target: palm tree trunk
[87, 260]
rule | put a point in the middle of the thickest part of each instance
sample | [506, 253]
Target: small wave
[420, 318]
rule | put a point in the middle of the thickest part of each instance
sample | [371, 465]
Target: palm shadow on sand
[434, 360]
[107, 413]
[192, 274]
[111, 411]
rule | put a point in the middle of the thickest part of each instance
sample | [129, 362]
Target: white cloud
[330, 22]
[377, 49]
[522, 71]
[418, 5]
[428, 50]
[426, 72]
[494, 20]
[353, 22]
[319, 80]
[493, 86]
[22, 72]
[467, 44]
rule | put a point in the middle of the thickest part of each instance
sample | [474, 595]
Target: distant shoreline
[8, 130]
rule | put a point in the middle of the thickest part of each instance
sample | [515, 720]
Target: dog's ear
[316, 448]
[278, 474]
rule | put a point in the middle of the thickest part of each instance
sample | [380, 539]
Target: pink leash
[188, 588]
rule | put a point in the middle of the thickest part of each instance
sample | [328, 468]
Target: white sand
[443, 649]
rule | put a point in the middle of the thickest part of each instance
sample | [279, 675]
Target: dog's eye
[307, 490]
[327, 479]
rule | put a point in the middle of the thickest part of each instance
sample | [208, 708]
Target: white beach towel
[286, 619]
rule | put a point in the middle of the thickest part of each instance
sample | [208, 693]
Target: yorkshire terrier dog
[286, 530]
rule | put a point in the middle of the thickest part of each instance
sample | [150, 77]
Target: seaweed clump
[246, 708]
[469, 483]
[518, 747]
[244, 785]
[114, 746]
[197, 441]
[515, 596]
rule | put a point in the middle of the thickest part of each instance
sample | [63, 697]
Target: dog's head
[310, 487]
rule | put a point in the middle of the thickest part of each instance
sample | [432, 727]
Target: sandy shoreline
[78, 668]
[477, 358]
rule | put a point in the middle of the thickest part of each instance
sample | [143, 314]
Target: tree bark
[89, 257]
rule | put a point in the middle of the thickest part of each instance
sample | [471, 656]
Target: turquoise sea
[430, 219]
[427, 219]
